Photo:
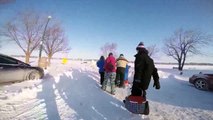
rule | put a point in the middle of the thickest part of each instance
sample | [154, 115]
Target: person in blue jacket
[100, 65]
[126, 74]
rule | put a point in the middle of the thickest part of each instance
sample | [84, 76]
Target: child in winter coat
[100, 65]
[121, 65]
[110, 69]
[126, 82]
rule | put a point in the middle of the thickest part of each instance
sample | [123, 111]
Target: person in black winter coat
[144, 70]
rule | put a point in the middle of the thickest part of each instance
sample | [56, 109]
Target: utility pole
[42, 40]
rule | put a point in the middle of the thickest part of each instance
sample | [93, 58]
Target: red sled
[137, 104]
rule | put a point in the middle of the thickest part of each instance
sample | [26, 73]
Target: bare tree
[184, 43]
[55, 41]
[25, 31]
[153, 50]
[107, 48]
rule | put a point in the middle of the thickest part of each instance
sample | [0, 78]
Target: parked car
[12, 70]
[202, 81]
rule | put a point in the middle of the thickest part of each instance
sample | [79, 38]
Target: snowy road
[73, 95]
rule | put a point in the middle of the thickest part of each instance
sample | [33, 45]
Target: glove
[156, 85]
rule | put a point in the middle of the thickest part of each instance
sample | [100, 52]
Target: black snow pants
[119, 81]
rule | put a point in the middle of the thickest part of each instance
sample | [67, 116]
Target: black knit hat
[121, 55]
[140, 45]
[110, 54]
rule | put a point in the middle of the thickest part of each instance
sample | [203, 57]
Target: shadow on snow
[83, 95]
[180, 93]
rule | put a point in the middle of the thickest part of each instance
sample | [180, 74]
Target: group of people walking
[114, 70]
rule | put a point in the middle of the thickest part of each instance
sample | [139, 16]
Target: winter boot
[146, 112]
[113, 93]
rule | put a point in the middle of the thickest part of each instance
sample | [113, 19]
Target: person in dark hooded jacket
[144, 70]
[100, 65]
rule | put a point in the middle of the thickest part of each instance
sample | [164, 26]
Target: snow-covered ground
[72, 92]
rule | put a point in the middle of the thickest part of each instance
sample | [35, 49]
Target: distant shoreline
[209, 64]
[162, 63]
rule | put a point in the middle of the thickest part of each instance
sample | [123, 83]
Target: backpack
[110, 66]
